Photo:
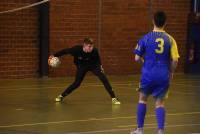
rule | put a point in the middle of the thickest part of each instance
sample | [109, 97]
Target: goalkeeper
[86, 58]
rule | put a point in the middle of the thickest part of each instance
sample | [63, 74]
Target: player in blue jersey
[158, 52]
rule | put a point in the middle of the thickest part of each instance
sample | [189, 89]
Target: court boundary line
[92, 119]
[129, 129]
[129, 83]
[84, 85]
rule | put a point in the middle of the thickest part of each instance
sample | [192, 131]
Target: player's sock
[64, 94]
[160, 115]
[141, 112]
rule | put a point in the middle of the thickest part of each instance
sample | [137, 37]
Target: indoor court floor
[28, 107]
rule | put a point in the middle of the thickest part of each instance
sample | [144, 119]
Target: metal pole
[150, 8]
[43, 39]
[99, 25]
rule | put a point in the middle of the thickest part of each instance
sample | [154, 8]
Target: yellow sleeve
[174, 49]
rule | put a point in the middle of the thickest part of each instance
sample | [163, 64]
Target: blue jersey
[158, 49]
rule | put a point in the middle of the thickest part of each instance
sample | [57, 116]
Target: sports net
[19, 38]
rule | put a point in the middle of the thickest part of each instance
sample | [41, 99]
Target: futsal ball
[54, 62]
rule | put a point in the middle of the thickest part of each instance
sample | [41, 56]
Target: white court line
[176, 84]
[38, 84]
[133, 126]
[56, 87]
[129, 129]
[176, 92]
[46, 83]
[35, 86]
[84, 85]
[100, 131]
[186, 93]
[92, 119]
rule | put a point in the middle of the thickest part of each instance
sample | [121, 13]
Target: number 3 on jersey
[160, 49]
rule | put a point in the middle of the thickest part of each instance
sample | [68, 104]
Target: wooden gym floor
[28, 107]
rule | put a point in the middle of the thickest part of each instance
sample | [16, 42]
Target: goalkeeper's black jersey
[80, 57]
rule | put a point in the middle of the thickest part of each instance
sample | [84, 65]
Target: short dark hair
[160, 18]
[88, 40]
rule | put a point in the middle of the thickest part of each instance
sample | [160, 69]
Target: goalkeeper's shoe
[59, 98]
[115, 101]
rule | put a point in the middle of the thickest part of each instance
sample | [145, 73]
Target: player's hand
[50, 57]
[102, 70]
[171, 76]
[142, 60]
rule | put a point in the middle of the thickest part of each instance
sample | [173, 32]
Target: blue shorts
[156, 88]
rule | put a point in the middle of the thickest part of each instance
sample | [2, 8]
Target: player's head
[159, 19]
[88, 45]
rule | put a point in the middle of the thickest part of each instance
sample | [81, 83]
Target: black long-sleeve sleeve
[97, 58]
[80, 57]
[65, 52]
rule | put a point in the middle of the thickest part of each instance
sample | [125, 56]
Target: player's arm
[139, 58]
[174, 56]
[98, 60]
[140, 50]
[63, 52]
[174, 64]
